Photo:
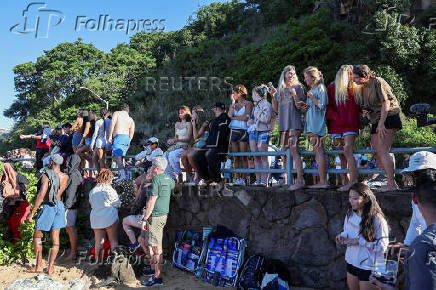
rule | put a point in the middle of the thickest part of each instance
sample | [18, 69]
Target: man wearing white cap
[52, 215]
[419, 161]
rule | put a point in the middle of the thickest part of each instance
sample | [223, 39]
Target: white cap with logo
[419, 161]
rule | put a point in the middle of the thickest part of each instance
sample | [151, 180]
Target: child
[365, 235]
[227, 165]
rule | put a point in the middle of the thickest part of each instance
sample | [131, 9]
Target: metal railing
[289, 170]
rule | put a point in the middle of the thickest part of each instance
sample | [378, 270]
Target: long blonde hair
[342, 84]
[365, 95]
[282, 83]
[315, 73]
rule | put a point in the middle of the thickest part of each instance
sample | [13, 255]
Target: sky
[78, 19]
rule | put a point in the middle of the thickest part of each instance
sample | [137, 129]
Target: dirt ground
[174, 279]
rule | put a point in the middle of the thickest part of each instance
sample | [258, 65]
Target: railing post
[289, 166]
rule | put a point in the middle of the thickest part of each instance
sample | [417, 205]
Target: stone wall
[296, 227]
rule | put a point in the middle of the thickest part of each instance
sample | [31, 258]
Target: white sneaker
[242, 182]
[238, 181]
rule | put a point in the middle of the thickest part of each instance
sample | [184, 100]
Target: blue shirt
[420, 263]
[315, 116]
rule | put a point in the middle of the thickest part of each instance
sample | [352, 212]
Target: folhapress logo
[38, 20]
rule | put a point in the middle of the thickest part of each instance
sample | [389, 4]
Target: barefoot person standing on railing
[120, 135]
[315, 125]
[376, 96]
[286, 103]
[343, 121]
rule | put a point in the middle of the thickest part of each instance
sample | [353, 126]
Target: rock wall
[298, 228]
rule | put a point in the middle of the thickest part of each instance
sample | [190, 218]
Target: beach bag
[122, 269]
[106, 250]
[224, 260]
[277, 276]
[188, 250]
[252, 273]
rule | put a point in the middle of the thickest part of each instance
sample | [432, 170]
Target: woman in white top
[365, 235]
[261, 126]
[104, 202]
[182, 141]
[239, 113]
[99, 143]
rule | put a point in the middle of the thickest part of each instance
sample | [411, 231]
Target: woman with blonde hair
[239, 113]
[260, 130]
[286, 102]
[200, 132]
[343, 121]
[315, 125]
[181, 141]
[376, 97]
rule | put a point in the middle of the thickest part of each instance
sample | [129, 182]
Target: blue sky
[20, 48]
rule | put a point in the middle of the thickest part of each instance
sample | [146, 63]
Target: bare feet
[50, 270]
[319, 186]
[34, 270]
[70, 259]
[347, 186]
[296, 186]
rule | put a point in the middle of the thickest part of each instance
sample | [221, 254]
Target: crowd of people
[200, 145]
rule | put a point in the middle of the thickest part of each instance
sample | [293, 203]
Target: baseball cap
[152, 140]
[220, 105]
[420, 160]
[57, 159]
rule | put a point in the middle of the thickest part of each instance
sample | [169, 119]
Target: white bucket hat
[420, 160]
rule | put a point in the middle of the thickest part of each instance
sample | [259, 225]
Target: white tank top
[237, 124]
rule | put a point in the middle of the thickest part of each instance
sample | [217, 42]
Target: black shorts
[362, 275]
[392, 122]
[238, 135]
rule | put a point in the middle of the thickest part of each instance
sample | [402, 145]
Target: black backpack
[252, 273]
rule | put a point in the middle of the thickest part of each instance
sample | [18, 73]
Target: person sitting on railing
[315, 126]
[209, 158]
[181, 141]
[286, 103]
[366, 236]
[239, 113]
[200, 132]
[41, 147]
[260, 130]
[376, 96]
[343, 122]
[25, 154]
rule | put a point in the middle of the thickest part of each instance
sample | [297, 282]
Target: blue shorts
[51, 217]
[120, 145]
[342, 135]
[88, 141]
[260, 137]
[77, 137]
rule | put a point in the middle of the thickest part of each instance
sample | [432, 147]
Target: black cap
[220, 105]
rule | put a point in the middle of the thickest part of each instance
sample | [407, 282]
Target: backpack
[252, 273]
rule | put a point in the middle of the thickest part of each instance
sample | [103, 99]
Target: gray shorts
[70, 217]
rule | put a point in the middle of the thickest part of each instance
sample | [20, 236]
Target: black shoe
[147, 271]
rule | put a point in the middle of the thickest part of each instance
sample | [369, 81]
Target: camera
[421, 112]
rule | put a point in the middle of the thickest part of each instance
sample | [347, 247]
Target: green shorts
[154, 234]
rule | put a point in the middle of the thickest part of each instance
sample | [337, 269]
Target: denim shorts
[88, 141]
[51, 217]
[260, 137]
[76, 138]
[342, 135]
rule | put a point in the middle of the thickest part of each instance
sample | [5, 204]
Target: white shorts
[102, 143]
[70, 217]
